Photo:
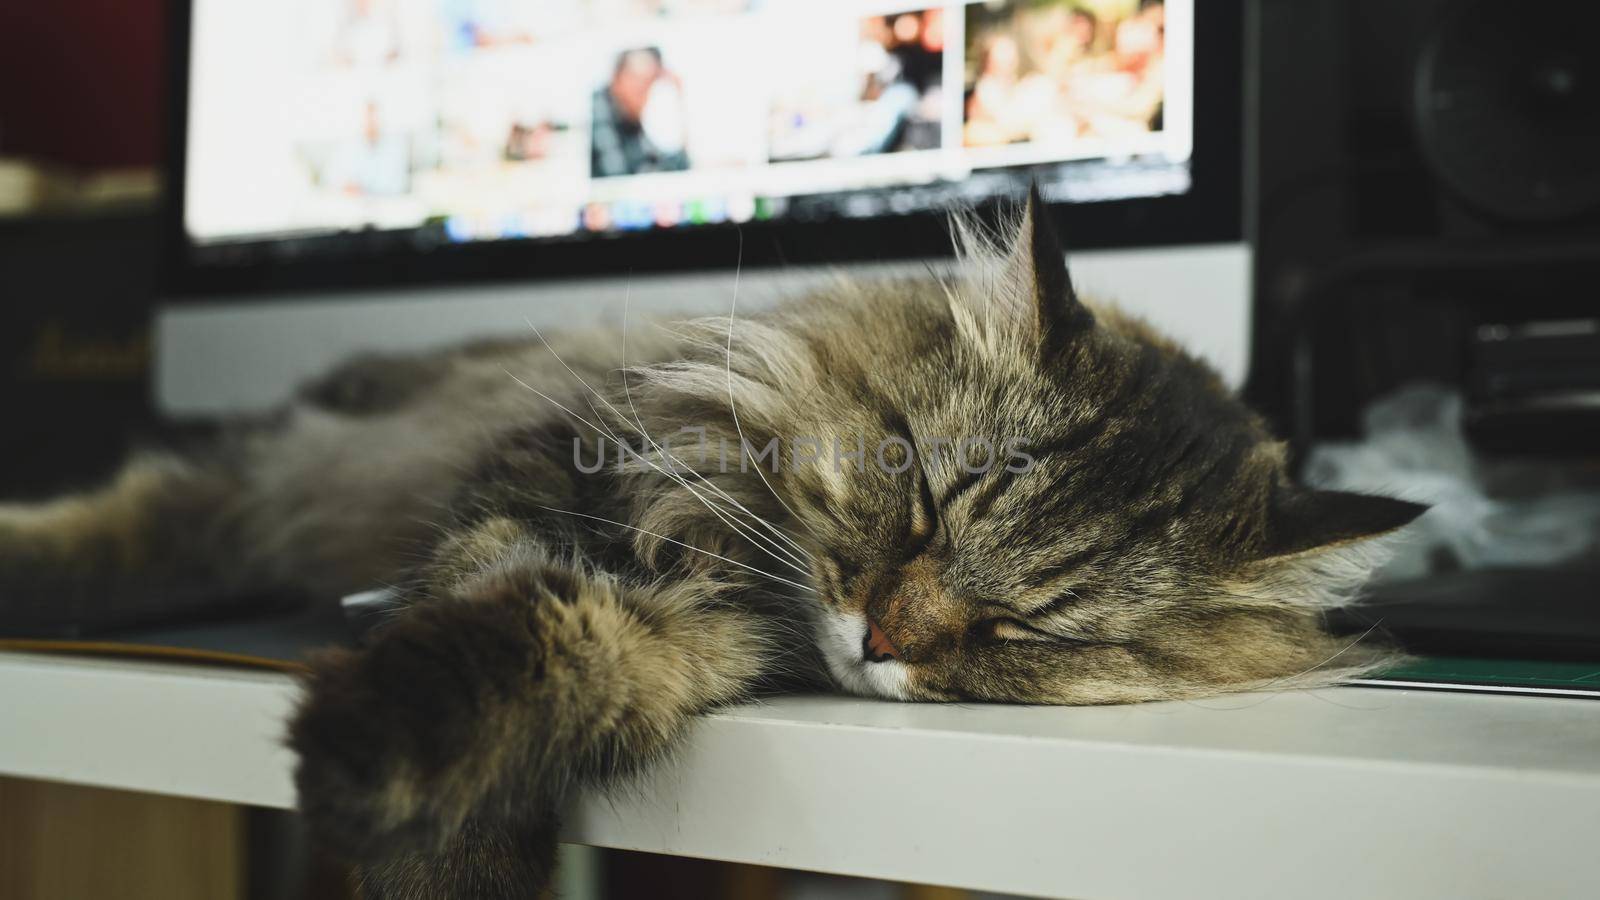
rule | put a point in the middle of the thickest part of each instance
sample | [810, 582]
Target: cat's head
[1085, 514]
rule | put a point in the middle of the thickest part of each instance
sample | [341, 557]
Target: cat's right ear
[1303, 520]
[1039, 262]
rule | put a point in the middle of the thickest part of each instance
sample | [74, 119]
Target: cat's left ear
[1039, 262]
[1301, 519]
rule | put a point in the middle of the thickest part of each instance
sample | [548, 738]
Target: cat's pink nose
[876, 646]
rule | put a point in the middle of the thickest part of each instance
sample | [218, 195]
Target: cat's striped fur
[563, 628]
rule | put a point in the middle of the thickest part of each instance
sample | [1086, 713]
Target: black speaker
[1427, 208]
[1506, 106]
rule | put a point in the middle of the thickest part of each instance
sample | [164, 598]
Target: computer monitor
[329, 146]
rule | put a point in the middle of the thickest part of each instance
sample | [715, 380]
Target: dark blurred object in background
[1507, 106]
[74, 346]
[81, 105]
[1427, 240]
[81, 123]
[81, 82]
[1426, 172]
[1535, 384]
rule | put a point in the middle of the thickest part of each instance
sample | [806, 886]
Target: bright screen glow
[504, 119]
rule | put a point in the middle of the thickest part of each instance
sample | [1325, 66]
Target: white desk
[1342, 793]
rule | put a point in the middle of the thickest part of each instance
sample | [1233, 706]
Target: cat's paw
[351, 778]
[399, 743]
[509, 858]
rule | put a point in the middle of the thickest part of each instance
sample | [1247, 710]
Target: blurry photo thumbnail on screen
[1054, 72]
[374, 162]
[360, 135]
[499, 107]
[638, 124]
[505, 145]
[369, 33]
[884, 98]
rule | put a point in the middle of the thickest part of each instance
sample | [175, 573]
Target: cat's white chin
[841, 636]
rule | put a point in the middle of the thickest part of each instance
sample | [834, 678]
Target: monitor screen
[311, 122]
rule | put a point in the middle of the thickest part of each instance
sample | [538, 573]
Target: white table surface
[1352, 792]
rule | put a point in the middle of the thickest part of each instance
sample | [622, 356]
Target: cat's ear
[1038, 261]
[1301, 520]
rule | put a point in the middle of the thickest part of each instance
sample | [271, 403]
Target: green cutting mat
[1575, 678]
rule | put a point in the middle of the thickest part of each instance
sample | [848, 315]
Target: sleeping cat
[965, 487]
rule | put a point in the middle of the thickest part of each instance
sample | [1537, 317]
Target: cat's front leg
[483, 707]
[486, 858]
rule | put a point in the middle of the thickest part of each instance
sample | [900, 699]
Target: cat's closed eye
[1007, 629]
[839, 570]
[925, 523]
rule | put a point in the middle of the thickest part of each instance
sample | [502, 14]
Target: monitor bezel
[1210, 212]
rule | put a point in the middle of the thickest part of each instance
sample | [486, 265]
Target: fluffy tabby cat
[561, 628]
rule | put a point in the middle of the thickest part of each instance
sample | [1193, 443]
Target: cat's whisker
[743, 531]
[733, 408]
[783, 533]
[761, 541]
[674, 465]
[715, 488]
[639, 428]
[557, 403]
[599, 429]
[1275, 683]
[1342, 651]
[722, 513]
[732, 562]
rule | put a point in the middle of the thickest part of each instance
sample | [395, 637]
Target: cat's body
[1132, 536]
